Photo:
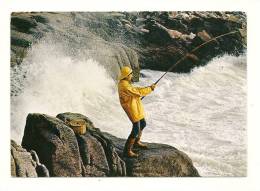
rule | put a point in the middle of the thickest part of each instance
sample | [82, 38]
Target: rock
[96, 153]
[22, 164]
[159, 160]
[93, 156]
[90, 154]
[174, 34]
[179, 35]
[157, 33]
[25, 164]
[91, 39]
[243, 33]
[41, 170]
[91, 151]
[136, 39]
[144, 30]
[23, 23]
[182, 27]
[204, 35]
[52, 140]
[40, 19]
[116, 164]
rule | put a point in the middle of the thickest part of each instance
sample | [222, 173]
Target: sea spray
[51, 82]
[202, 113]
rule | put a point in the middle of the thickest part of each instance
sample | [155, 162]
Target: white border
[249, 183]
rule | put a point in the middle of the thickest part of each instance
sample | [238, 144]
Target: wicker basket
[79, 126]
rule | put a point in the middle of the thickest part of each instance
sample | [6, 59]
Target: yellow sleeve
[138, 91]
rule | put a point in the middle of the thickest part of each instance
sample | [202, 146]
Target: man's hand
[153, 86]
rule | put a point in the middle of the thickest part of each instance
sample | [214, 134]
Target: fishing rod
[190, 53]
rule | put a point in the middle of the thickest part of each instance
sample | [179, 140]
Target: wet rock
[116, 164]
[182, 27]
[41, 170]
[93, 156]
[52, 140]
[40, 19]
[159, 160]
[26, 164]
[67, 154]
[90, 36]
[23, 23]
[20, 42]
[174, 34]
[150, 40]
[204, 35]
[96, 153]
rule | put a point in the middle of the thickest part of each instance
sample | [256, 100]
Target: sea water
[202, 113]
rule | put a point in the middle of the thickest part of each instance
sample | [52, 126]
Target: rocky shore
[142, 40]
[153, 40]
[51, 148]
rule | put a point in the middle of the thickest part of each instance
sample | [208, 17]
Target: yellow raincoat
[130, 99]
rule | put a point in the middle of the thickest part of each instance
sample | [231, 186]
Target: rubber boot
[138, 142]
[128, 148]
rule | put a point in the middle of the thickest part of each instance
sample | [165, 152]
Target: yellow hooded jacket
[130, 99]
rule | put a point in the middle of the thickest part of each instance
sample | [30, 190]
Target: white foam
[202, 113]
[57, 83]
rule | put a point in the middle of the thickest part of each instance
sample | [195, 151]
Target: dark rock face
[161, 160]
[52, 140]
[173, 34]
[93, 156]
[84, 35]
[67, 154]
[153, 40]
[158, 160]
[97, 153]
[116, 164]
[23, 24]
[26, 164]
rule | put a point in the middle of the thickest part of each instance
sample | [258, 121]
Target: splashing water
[202, 113]
[50, 82]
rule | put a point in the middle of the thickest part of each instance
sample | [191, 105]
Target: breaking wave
[202, 113]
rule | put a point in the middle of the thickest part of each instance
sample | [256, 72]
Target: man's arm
[138, 91]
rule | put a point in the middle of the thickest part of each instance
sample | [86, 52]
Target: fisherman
[130, 100]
